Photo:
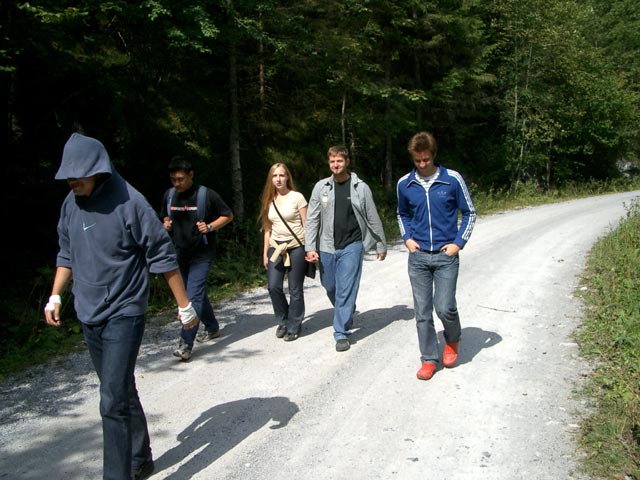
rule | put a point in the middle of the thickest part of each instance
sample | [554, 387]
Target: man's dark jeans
[195, 277]
[113, 346]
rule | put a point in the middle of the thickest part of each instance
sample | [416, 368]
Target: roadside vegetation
[610, 338]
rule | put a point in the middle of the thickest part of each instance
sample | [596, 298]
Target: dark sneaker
[281, 331]
[290, 337]
[183, 352]
[143, 471]
[205, 336]
[342, 345]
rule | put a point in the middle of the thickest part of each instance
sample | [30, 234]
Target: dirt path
[250, 406]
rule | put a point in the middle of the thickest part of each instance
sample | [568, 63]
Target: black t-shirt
[346, 229]
[184, 214]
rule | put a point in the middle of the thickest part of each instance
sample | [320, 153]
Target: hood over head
[83, 157]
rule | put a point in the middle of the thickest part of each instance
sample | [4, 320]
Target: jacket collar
[354, 180]
[413, 175]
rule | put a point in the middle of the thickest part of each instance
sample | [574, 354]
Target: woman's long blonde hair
[269, 192]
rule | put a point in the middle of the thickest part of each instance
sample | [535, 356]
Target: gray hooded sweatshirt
[111, 240]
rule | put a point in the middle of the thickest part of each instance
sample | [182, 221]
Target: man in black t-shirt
[342, 224]
[191, 214]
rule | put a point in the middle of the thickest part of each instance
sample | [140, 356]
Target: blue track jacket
[431, 218]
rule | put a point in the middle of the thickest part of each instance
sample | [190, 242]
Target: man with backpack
[191, 214]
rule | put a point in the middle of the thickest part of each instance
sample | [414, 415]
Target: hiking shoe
[183, 352]
[207, 336]
[143, 471]
[426, 371]
[342, 345]
[290, 337]
[281, 331]
[450, 354]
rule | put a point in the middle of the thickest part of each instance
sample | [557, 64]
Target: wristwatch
[210, 227]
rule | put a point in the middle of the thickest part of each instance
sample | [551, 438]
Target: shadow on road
[221, 428]
[371, 321]
[473, 341]
[365, 323]
[244, 326]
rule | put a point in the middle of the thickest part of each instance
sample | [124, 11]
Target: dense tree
[543, 91]
[565, 114]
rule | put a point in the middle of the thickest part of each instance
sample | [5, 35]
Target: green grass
[527, 194]
[610, 337]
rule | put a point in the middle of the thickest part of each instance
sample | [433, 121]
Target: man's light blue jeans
[433, 279]
[340, 274]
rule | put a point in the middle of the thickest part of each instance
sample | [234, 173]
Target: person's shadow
[221, 428]
[364, 324]
[472, 341]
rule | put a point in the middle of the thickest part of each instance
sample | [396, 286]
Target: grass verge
[610, 338]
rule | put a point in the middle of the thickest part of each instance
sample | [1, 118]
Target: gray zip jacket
[320, 216]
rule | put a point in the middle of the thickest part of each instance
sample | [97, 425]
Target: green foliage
[26, 340]
[566, 113]
[523, 194]
[610, 337]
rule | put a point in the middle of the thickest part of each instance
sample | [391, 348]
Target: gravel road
[250, 406]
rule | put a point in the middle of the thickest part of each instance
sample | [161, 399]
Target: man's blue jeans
[195, 277]
[340, 276]
[433, 281]
[113, 346]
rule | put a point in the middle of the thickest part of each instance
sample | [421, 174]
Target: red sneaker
[450, 354]
[426, 371]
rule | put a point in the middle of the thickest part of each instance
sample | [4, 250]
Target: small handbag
[311, 266]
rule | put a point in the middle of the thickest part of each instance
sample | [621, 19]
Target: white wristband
[187, 314]
[52, 300]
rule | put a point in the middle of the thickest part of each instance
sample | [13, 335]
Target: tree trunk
[261, 80]
[234, 138]
[388, 167]
[387, 175]
[343, 119]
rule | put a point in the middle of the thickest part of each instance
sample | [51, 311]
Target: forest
[538, 92]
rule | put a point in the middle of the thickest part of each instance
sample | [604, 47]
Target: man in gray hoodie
[110, 239]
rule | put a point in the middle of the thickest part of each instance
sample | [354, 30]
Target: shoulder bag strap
[285, 222]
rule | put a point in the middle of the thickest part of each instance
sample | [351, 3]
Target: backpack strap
[201, 202]
[170, 195]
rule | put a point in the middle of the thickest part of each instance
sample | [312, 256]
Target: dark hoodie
[110, 240]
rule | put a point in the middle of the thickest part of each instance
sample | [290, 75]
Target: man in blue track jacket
[429, 199]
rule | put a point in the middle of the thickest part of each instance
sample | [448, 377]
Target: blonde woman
[283, 215]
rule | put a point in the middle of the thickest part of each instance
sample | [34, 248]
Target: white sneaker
[207, 336]
[183, 352]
